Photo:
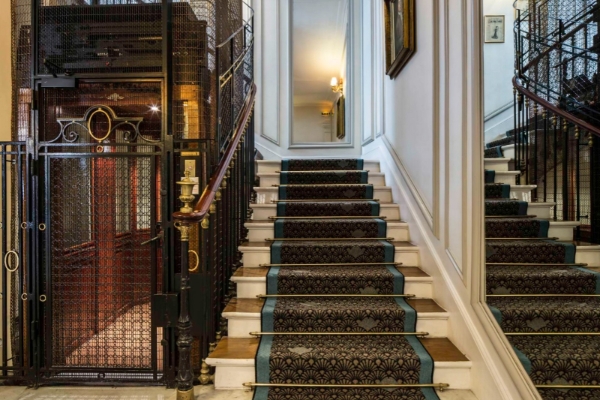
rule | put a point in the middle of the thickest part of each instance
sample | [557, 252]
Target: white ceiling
[318, 43]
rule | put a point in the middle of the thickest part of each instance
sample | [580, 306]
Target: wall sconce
[337, 86]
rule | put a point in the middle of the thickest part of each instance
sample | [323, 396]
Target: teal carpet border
[490, 176]
[597, 274]
[544, 228]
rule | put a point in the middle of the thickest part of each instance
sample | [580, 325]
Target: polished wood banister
[554, 109]
[208, 195]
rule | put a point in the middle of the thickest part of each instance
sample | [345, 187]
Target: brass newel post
[185, 377]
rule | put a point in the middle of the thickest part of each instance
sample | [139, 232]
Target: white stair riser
[253, 258]
[508, 151]
[240, 327]
[497, 164]
[274, 166]
[589, 255]
[508, 178]
[457, 374]
[541, 211]
[267, 194]
[234, 375]
[521, 192]
[260, 233]
[268, 180]
[262, 213]
[563, 232]
[249, 288]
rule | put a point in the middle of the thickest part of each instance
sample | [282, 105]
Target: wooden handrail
[554, 109]
[208, 195]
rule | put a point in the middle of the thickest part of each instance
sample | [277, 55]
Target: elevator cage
[112, 101]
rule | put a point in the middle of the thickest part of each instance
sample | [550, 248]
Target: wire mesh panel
[99, 36]
[13, 276]
[100, 198]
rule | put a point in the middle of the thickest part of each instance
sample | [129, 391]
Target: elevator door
[100, 158]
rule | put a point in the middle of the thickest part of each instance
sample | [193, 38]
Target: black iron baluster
[565, 171]
[185, 377]
[578, 180]
[555, 166]
[545, 158]
[526, 142]
[536, 137]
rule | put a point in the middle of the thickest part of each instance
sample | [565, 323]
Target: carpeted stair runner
[501, 142]
[327, 289]
[494, 152]
[543, 300]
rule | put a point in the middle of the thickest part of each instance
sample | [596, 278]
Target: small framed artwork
[400, 34]
[494, 28]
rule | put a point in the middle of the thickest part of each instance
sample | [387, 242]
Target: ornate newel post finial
[186, 196]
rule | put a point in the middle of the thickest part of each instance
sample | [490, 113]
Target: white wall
[499, 61]
[310, 126]
[431, 152]
[273, 79]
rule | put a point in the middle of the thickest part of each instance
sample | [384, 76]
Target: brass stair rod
[333, 217]
[552, 333]
[540, 264]
[323, 239]
[544, 238]
[543, 295]
[321, 200]
[440, 386]
[333, 171]
[339, 333]
[326, 265]
[273, 296]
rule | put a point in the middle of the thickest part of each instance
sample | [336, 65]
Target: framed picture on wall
[494, 28]
[341, 117]
[400, 34]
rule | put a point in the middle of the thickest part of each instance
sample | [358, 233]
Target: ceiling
[319, 50]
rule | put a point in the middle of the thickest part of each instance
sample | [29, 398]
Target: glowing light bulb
[154, 108]
[334, 82]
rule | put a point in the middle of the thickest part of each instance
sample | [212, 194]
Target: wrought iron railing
[221, 210]
[557, 112]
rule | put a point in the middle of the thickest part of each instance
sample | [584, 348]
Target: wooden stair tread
[255, 306]
[261, 272]
[268, 244]
[440, 349]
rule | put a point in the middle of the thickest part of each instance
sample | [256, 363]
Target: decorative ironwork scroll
[129, 125]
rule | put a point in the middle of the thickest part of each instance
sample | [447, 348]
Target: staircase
[543, 289]
[331, 292]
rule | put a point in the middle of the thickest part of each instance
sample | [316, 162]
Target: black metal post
[185, 378]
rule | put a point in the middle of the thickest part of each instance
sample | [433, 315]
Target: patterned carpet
[538, 294]
[341, 297]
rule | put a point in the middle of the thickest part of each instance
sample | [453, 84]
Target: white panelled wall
[431, 152]
[426, 128]
[272, 20]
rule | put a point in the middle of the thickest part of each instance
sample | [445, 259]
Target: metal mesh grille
[102, 200]
[564, 75]
[100, 36]
[194, 38]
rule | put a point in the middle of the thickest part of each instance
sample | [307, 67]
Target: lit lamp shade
[334, 82]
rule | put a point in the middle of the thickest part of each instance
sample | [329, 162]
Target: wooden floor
[440, 349]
